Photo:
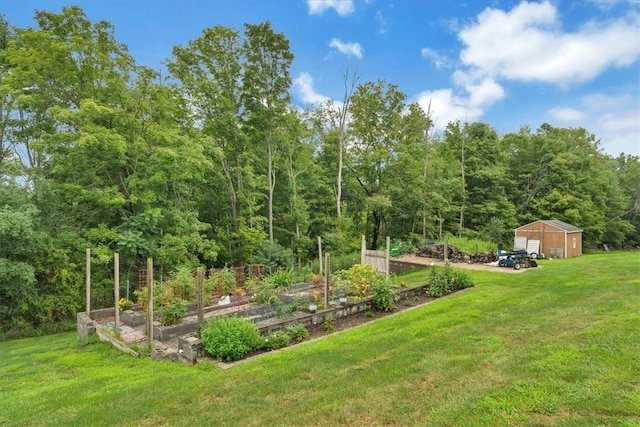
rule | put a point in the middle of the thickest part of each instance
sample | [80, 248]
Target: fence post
[386, 257]
[88, 281]
[116, 291]
[326, 280]
[363, 249]
[150, 302]
[200, 282]
[320, 253]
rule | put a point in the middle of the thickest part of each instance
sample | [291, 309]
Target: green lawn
[558, 345]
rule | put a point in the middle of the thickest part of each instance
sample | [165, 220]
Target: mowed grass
[558, 346]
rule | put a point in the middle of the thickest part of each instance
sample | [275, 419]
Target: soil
[347, 322]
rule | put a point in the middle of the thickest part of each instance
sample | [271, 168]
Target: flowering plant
[125, 304]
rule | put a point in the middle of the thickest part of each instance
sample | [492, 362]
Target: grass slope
[557, 345]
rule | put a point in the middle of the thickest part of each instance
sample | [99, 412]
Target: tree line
[215, 165]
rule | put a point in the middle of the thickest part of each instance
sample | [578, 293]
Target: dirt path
[418, 260]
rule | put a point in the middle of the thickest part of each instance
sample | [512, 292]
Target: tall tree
[335, 115]
[265, 86]
[376, 129]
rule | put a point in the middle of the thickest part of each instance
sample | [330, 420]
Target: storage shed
[557, 238]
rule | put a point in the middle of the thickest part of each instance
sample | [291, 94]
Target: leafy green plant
[358, 280]
[273, 255]
[172, 312]
[264, 293]
[276, 340]
[280, 278]
[298, 332]
[328, 323]
[221, 281]
[444, 281]
[368, 314]
[384, 295]
[183, 283]
[230, 338]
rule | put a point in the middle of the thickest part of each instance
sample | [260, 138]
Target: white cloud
[304, 84]
[528, 44]
[613, 119]
[484, 93]
[342, 7]
[349, 49]
[440, 61]
[447, 106]
[382, 23]
[565, 114]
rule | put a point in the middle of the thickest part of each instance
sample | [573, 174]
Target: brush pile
[456, 255]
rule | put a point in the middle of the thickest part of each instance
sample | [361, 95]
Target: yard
[559, 345]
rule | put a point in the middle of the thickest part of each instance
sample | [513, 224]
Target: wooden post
[150, 302]
[116, 291]
[446, 249]
[363, 249]
[200, 284]
[320, 253]
[88, 256]
[386, 257]
[326, 280]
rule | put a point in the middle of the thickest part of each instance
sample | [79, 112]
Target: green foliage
[358, 280]
[384, 295]
[230, 338]
[338, 262]
[170, 298]
[173, 311]
[328, 323]
[276, 340]
[471, 245]
[280, 278]
[264, 292]
[298, 332]
[444, 281]
[105, 155]
[272, 255]
[221, 281]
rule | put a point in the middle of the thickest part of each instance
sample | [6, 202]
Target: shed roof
[558, 224]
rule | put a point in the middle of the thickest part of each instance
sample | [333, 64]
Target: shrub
[359, 279]
[328, 323]
[230, 338]
[384, 295]
[273, 255]
[276, 340]
[444, 281]
[221, 281]
[298, 332]
[173, 311]
[280, 278]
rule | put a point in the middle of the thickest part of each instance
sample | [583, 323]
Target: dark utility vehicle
[517, 260]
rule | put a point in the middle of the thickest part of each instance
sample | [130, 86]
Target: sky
[570, 63]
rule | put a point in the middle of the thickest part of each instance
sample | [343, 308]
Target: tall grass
[470, 245]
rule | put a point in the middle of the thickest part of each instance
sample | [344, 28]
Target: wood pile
[456, 255]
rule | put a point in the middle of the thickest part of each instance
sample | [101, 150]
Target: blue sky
[507, 63]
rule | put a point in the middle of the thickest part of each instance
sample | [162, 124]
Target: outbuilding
[557, 238]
